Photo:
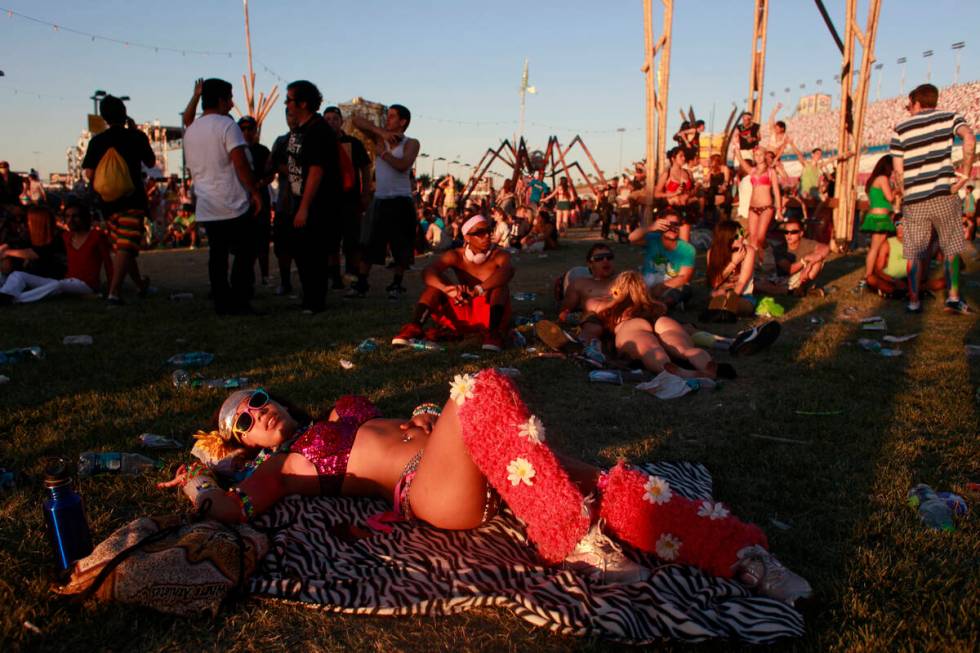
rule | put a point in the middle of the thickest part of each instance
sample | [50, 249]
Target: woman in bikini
[564, 197]
[766, 199]
[676, 187]
[878, 221]
[448, 466]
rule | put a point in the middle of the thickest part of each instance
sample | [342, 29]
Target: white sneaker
[760, 570]
[603, 561]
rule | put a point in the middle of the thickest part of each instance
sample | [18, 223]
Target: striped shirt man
[925, 144]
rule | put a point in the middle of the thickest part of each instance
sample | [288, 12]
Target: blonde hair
[630, 299]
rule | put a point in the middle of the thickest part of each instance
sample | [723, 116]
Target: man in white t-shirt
[216, 154]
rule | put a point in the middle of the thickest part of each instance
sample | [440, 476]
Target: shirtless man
[588, 294]
[479, 300]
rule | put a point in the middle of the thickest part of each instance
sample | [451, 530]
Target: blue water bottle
[64, 514]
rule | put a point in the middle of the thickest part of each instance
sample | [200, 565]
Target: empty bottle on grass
[114, 462]
[933, 510]
[191, 359]
[64, 515]
[19, 354]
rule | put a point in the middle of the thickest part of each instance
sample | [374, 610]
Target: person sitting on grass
[643, 332]
[183, 229]
[451, 467]
[479, 300]
[668, 266]
[87, 252]
[543, 235]
[890, 275]
[802, 260]
[731, 263]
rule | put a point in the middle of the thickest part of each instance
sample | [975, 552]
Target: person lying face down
[476, 301]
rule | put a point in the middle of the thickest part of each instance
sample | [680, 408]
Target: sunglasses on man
[244, 422]
[606, 256]
[793, 231]
[479, 233]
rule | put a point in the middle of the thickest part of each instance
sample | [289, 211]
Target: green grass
[882, 581]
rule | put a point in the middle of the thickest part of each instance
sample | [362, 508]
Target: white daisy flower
[712, 510]
[462, 388]
[520, 471]
[657, 490]
[533, 430]
[668, 547]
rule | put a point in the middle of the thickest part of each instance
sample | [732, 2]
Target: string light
[146, 46]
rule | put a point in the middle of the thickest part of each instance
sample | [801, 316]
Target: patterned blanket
[420, 570]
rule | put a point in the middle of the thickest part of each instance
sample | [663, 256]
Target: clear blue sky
[455, 61]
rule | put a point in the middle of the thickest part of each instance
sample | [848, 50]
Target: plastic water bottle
[114, 462]
[191, 359]
[64, 514]
[933, 511]
[154, 441]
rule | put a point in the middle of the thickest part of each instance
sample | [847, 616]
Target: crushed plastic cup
[346, 364]
[77, 340]
[368, 345]
[21, 353]
[154, 441]
[868, 344]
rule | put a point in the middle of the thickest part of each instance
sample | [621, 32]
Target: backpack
[347, 177]
[112, 179]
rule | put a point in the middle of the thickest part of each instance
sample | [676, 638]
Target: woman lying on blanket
[643, 332]
[450, 467]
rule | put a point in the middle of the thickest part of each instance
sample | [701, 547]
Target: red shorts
[471, 317]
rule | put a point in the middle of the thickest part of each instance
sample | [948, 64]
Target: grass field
[882, 582]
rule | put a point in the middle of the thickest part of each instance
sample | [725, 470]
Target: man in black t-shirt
[748, 135]
[126, 214]
[258, 155]
[354, 200]
[315, 183]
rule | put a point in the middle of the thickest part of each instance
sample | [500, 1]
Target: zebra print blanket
[419, 570]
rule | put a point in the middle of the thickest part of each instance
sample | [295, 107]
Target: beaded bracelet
[248, 510]
[427, 409]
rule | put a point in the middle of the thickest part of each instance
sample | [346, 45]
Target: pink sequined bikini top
[327, 444]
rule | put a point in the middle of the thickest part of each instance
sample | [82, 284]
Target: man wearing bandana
[477, 301]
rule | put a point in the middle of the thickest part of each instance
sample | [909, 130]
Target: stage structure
[657, 83]
[757, 74]
[259, 110]
[854, 102]
[553, 161]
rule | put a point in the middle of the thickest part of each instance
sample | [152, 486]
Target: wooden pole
[760, 23]
[663, 78]
[651, 93]
[250, 85]
[853, 107]
[657, 84]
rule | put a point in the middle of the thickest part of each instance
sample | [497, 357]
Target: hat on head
[472, 223]
[226, 415]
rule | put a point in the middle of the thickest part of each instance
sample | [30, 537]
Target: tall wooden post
[265, 104]
[760, 22]
[853, 105]
[657, 84]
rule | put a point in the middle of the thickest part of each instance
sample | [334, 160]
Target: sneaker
[112, 300]
[356, 291]
[603, 561]
[913, 307]
[395, 291]
[408, 333]
[957, 307]
[593, 352]
[756, 339]
[760, 570]
[493, 342]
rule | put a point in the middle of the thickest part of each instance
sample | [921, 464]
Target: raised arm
[191, 110]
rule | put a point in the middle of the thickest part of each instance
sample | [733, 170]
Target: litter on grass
[77, 340]
[775, 438]
[346, 364]
[899, 339]
[868, 344]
